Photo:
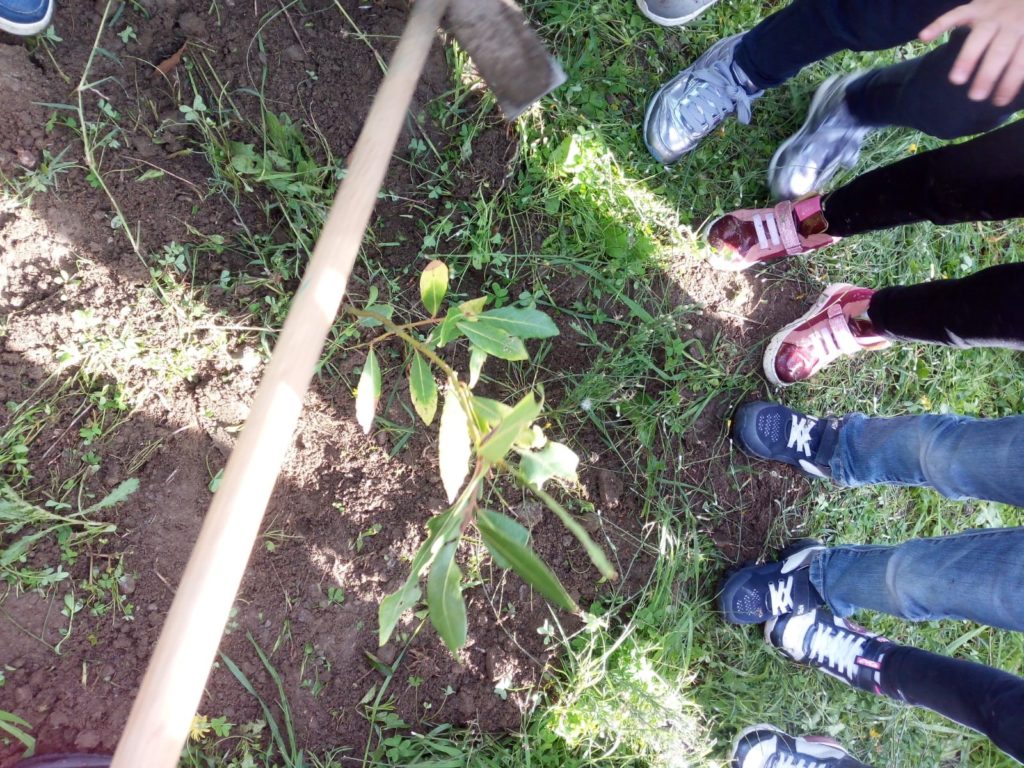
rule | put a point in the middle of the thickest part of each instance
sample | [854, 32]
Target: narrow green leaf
[493, 340]
[454, 448]
[522, 559]
[444, 598]
[393, 606]
[434, 285]
[116, 496]
[152, 173]
[9, 722]
[596, 554]
[499, 441]
[368, 392]
[422, 388]
[523, 323]
[477, 358]
[553, 460]
[512, 530]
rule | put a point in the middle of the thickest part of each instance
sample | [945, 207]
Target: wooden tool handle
[173, 685]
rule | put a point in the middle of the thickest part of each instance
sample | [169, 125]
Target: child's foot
[835, 326]
[765, 746]
[837, 647]
[672, 13]
[25, 17]
[694, 102]
[755, 235]
[777, 433]
[757, 593]
[830, 139]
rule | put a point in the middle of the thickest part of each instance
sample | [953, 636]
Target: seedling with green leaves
[477, 438]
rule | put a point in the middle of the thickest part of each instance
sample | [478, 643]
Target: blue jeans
[977, 575]
[960, 457]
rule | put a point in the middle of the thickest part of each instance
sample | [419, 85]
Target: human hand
[993, 52]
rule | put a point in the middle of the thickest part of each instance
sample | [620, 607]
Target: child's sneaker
[835, 326]
[693, 103]
[838, 647]
[765, 746]
[829, 140]
[754, 594]
[672, 13]
[25, 17]
[776, 433]
[751, 236]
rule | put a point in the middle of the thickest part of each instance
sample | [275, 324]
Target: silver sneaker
[693, 103]
[672, 13]
[830, 139]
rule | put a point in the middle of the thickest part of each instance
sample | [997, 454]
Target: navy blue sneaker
[836, 646]
[25, 17]
[777, 433]
[757, 593]
[765, 746]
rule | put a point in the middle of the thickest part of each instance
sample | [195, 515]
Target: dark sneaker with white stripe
[754, 594]
[25, 17]
[765, 746]
[777, 433]
[836, 646]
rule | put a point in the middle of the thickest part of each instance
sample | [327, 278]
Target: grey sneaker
[829, 139]
[693, 103]
[672, 13]
[765, 746]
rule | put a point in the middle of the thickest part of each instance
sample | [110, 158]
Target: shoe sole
[819, 96]
[768, 361]
[27, 30]
[663, 21]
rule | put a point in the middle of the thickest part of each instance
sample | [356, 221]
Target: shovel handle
[161, 715]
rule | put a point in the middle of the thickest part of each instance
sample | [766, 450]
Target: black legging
[988, 700]
[984, 309]
[913, 94]
[978, 180]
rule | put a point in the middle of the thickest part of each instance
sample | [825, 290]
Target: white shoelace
[714, 96]
[785, 760]
[780, 595]
[767, 229]
[837, 649]
[800, 434]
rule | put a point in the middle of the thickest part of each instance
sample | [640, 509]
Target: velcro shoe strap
[787, 228]
[840, 327]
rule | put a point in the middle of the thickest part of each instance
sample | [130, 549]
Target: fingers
[1013, 80]
[1000, 52]
[971, 52]
[958, 17]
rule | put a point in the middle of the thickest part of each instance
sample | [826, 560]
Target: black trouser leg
[917, 94]
[807, 31]
[985, 309]
[987, 700]
[978, 180]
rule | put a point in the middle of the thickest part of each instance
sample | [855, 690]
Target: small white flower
[587, 404]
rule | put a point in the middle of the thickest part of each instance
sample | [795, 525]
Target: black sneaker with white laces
[777, 433]
[836, 646]
[765, 746]
[754, 594]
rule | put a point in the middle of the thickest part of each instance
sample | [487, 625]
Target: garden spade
[518, 70]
